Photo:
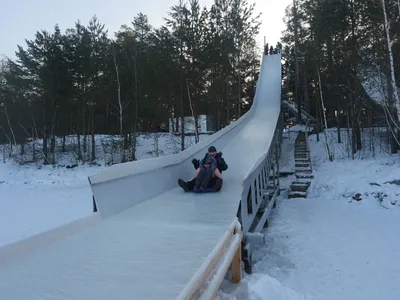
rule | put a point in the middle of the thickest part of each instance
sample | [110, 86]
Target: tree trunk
[394, 101]
[194, 115]
[306, 98]
[338, 124]
[228, 116]
[318, 115]
[351, 119]
[120, 107]
[44, 149]
[391, 62]
[349, 140]
[63, 144]
[296, 61]
[84, 134]
[9, 125]
[93, 158]
[78, 132]
[34, 136]
[182, 109]
[358, 133]
[239, 96]
[330, 155]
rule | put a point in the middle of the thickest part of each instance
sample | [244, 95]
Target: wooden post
[236, 265]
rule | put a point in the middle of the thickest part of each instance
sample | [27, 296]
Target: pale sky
[20, 19]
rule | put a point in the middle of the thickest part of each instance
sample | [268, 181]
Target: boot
[217, 186]
[183, 185]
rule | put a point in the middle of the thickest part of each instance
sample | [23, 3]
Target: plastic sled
[208, 190]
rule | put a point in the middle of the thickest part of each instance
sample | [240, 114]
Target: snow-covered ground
[35, 200]
[35, 197]
[327, 246]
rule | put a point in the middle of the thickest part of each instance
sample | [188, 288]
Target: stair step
[297, 195]
[306, 171]
[304, 176]
[298, 188]
[306, 182]
[302, 168]
[300, 184]
[302, 165]
[301, 161]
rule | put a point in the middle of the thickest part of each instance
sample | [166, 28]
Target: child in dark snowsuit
[208, 172]
[207, 168]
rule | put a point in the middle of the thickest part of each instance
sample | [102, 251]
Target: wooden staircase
[302, 167]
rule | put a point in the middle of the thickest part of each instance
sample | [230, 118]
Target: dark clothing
[221, 164]
[190, 184]
[204, 178]
[208, 159]
[212, 149]
[206, 173]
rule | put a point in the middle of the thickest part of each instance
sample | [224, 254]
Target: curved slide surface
[152, 237]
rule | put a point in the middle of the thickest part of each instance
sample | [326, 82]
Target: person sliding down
[208, 165]
[206, 177]
[221, 164]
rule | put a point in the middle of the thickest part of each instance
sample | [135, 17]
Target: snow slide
[152, 237]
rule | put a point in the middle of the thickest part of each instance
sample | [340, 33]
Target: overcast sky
[20, 19]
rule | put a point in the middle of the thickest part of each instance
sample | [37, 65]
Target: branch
[44, 156]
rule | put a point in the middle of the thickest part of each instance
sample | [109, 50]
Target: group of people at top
[271, 50]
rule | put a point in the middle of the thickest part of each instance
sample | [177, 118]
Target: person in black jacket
[221, 164]
[215, 182]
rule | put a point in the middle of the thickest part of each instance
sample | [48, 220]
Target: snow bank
[330, 245]
[373, 176]
[258, 287]
[264, 287]
[374, 144]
